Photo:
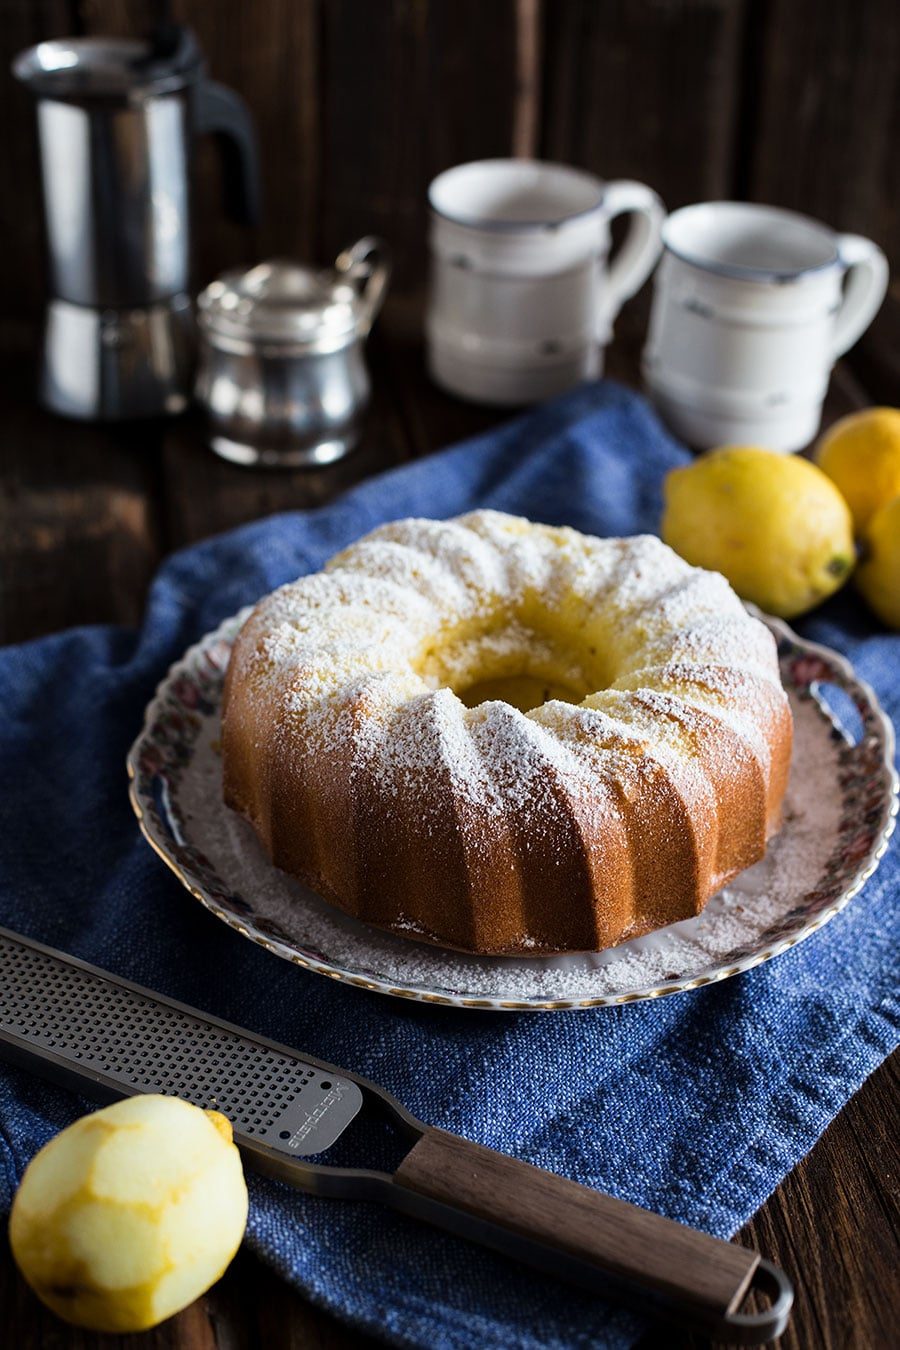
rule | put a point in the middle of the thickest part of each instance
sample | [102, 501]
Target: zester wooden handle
[679, 1266]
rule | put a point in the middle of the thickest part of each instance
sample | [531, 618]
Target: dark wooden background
[358, 104]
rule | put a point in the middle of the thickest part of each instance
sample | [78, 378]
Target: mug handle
[637, 256]
[864, 290]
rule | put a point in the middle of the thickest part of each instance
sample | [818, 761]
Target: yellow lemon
[878, 575]
[861, 454]
[773, 524]
[131, 1213]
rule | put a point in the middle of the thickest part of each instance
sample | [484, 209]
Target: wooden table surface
[86, 513]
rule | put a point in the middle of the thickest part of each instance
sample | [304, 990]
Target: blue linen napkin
[695, 1106]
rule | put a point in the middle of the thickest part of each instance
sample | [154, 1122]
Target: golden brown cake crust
[349, 745]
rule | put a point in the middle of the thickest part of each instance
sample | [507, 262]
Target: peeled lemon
[131, 1213]
[861, 454]
[878, 575]
[773, 524]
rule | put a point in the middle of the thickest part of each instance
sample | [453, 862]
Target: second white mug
[752, 306]
[522, 296]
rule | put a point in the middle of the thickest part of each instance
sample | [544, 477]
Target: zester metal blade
[94, 1030]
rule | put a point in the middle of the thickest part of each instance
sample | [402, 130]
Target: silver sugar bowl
[282, 372]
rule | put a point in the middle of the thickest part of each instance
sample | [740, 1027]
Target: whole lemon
[131, 1213]
[773, 524]
[878, 575]
[861, 454]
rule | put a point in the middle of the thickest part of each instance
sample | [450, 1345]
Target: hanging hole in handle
[367, 265]
[840, 709]
[759, 1324]
[618, 231]
[619, 227]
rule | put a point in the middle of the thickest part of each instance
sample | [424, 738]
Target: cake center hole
[512, 659]
[524, 692]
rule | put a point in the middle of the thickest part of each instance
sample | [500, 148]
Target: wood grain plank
[826, 134]
[877, 356]
[647, 90]
[22, 267]
[828, 114]
[432, 418]
[409, 88]
[644, 89]
[529, 79]
[79, 530]
[117, 18]
[269, 54]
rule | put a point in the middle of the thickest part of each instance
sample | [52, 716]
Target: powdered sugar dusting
[420, 608]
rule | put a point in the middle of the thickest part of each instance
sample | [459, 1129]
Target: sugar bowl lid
[286, 304]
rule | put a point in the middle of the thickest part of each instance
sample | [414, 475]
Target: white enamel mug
[522, 295]
[752, 306]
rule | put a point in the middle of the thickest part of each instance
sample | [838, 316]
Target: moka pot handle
[224, 114]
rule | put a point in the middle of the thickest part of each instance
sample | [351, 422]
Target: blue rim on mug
[749, 272]
[583, 176]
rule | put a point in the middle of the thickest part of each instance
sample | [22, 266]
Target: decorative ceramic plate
[839, 812]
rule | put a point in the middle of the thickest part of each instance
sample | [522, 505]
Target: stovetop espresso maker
[117, 119]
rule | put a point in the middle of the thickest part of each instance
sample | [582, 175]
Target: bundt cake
[505, 737]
